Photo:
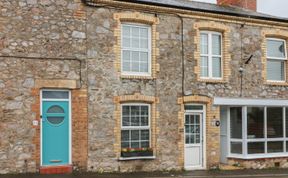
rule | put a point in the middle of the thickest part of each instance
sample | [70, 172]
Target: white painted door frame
[202, 114]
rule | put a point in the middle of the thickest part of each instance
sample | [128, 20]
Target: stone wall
[18, 143]
[259, 163]
[46, 28]
[104, 82]
[65, 29]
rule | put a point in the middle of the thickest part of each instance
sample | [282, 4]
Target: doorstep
[65, 169]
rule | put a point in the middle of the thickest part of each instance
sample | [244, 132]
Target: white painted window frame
[245, 140]
[148, 50]
[210, 55]
[138, 127]
[70, 121]
[271, 58]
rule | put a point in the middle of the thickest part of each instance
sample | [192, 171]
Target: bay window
[257, 132]
[211, 55]
[276, 59]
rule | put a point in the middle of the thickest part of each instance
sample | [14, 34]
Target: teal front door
[55, 133]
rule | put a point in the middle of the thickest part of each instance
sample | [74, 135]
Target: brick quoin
[247, 4]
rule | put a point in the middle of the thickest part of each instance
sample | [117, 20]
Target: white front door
[193, 158]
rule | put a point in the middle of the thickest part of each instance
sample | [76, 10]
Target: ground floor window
[135, 130]
[258, 131]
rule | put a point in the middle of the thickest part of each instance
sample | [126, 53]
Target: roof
[207, 7]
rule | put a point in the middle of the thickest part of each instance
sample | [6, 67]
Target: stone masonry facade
[72, 45]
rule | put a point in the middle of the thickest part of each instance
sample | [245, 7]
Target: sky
[272, 7]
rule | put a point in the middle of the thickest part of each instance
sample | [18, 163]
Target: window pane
[286, 122]
[275, 147]
[135, 121]
[135, 144]
[144, 67]
[236, 122]
[125, 31]
[135, 43]
[125, 110]
[145, 135]
[135, 61]
[124, 144]
[255, 122]
[126, 56]
[193, 107]
[55, 94]
[126, 66]
[216, 67]
[204, 43]
[135, 32]
[275, 70]
[144, 110]
[55, 120]
[144, 43]
[274, 122]
[126, 60]
[204, 66]
[144, 62]
[126, 42]
[276, 49]
[135, 135]
[125, 121]
[143, 32]
[256, 148]
[216, 44]
[55, 109]
[144, 121]
[145, 144]
[236, 147]
[144, 57]
[135, 110]
[125, 135]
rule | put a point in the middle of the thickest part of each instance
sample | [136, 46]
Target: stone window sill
[137, 158]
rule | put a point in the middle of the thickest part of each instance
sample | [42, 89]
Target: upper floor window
[136, 50]
[276, 59]
[211, 55]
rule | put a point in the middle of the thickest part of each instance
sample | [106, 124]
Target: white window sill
[259, 156]
[210, 78]
[276, 81]
[137, 158]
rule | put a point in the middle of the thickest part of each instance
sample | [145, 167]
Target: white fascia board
[248, 102]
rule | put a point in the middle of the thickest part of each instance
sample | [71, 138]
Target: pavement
[278, 173]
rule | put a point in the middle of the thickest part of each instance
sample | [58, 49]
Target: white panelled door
[193, 158]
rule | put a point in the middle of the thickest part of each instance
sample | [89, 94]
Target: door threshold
[61, 169]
